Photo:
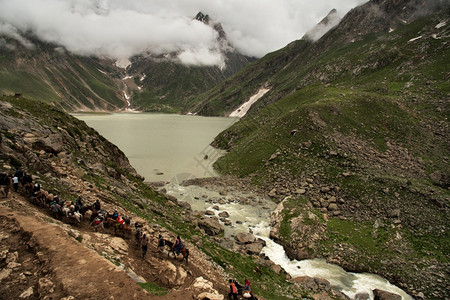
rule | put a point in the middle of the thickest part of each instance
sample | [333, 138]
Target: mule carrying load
[184, 251]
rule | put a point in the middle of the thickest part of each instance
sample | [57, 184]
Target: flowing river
[173, 148]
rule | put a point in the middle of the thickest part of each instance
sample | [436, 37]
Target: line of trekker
[100, 218]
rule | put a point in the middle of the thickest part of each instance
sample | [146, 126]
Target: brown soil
[45, 257]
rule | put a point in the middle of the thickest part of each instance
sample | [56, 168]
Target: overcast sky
[122, 28]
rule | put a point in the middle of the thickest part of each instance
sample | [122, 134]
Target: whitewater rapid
[257, 220]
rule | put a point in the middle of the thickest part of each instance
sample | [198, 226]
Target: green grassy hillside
[358, 134]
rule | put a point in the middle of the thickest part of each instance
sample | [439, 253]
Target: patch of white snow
[143, 77]
[442, 24]
[126, 96]
[103, 72]
[391, 29]
[243, 109]
[414, 39]
[127, 77]
[123, 63]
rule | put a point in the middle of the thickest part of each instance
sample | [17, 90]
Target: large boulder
[50, 144]
[253, 248]
[210, 226]
[315, 284]
[243, 238]
[204, 290]
[384, 295]
[172, 275]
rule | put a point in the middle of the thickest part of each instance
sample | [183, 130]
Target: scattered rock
[384, 295]
[204, 289]
[333, 206]
[362, 296]
[253, 248]
[27, 293]
[224, 214]
[395, 213]
[273, 156]
[300, 191]
[315, 284]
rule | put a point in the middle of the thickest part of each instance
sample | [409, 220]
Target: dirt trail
[50, 263]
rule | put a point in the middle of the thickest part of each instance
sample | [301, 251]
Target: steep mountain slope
[353, 139]
[48, 73]
[337, 56]
[45, 72]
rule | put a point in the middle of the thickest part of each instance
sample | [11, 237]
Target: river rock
[277, 269]
[244, 238]
[211, 226]
[308, 282]
[384, 295]
[184, 205]
[315, 284]
[210, 213]
[362, 296]
[224, 214]
[253, 249]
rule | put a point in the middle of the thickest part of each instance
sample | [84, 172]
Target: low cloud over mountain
[119, 29]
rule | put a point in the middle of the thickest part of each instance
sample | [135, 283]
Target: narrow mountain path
[58, 260]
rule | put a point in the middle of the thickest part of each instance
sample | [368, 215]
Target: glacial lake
[163, 147]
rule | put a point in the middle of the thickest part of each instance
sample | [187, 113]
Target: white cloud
[118, 28]
[11, 31]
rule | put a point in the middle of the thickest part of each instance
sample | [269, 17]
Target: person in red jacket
[233, 291]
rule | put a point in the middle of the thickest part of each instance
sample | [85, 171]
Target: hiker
[18, 174]
[79, 205]
[247, 291]
[16, 183]
[178, 245]
[96, 205]
[161, 243]
[233, 291]
[115, 215]
[36, 188]
[144, 244]
[138, 236]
